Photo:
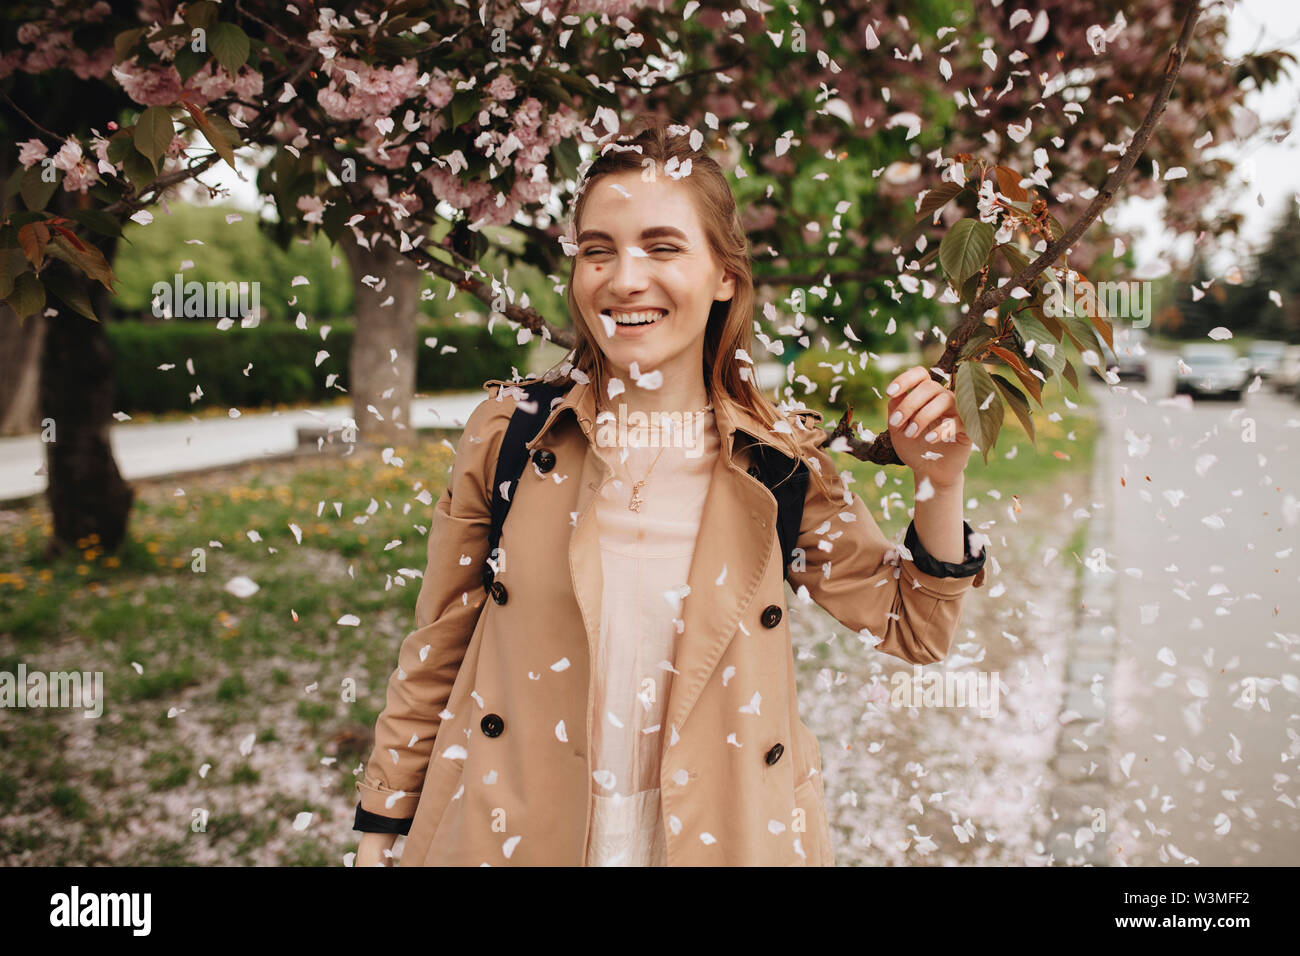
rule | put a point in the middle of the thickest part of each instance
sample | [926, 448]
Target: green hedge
[283, 363]
[858, 386]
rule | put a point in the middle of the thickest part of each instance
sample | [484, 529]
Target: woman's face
[641, 248]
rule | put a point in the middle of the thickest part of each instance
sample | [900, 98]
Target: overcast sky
[1266, 172]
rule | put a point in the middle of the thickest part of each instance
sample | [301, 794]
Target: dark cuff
[368, 822]
[926, 562]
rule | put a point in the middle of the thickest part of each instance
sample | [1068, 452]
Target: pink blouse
[645, 560]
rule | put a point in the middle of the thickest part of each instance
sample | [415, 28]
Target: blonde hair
[729, 325]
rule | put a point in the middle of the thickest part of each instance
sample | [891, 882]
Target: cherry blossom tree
[385, 120]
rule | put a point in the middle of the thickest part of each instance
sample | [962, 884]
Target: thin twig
[881, 450]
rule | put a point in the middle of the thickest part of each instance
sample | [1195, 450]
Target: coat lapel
[732, 547]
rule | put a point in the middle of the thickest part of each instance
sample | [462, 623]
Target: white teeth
[636, 318]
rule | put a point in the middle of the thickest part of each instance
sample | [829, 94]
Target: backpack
[772, 468]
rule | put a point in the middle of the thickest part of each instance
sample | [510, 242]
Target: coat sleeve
[868, 583]
[446, 611]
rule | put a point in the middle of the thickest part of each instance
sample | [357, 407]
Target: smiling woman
[627, 696]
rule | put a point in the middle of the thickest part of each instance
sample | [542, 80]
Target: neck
[674, 395]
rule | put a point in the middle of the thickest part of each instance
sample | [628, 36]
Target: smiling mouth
[636, 319]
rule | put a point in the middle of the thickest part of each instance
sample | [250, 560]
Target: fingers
[904, 404]
[930, 419]
[921, 406]
[905, 380]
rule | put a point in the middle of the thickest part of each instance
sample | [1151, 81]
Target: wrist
[955, 486]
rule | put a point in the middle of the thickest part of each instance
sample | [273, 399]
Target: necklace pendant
[635, 503]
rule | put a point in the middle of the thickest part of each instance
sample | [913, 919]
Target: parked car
[1265, 358]
[1287, 377]
[1129, 357]
[1211, 369]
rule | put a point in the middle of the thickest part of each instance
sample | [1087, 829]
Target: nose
[629, 276]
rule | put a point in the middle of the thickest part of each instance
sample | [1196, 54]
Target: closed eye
[593, 252]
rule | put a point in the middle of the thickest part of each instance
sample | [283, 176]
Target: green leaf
[216, 139]
[188, 62]
[119, 145]
[937, 198]
[153, 133]
[98, 221]
[201, 13]
[13, 183]
[965, 248]
[567, 158]
[1031, 329]
[28, 295]
[1018, 261]
[124, 42]
[138, 169]
[75, 298]
[979, 405]
[464, 105]
[226, 128]
[36, 192]
[13, 263]
[229, 45]
[1019, 404]
[976, 342]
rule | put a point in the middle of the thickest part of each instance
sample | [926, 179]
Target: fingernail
[892, 390]
[912, 429]
[931, 436]
[895, 418]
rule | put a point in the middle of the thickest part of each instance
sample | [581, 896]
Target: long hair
[730, 321]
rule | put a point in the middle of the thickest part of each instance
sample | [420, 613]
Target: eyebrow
[653, 232]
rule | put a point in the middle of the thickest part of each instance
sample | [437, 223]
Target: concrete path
[172, 448]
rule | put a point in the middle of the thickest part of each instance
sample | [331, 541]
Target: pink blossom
[313, 207]
[77, 171]
[31, 152]
[208, 83]
[440, 89]
[502, 88]
[155, 86]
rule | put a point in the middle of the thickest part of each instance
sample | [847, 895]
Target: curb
[308, 447]
[1078, 832]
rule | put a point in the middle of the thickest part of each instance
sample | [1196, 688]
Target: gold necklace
[634, 504]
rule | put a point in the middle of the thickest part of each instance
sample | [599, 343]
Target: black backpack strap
[790, 490]
[512, 457]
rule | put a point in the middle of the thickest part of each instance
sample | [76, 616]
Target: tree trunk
[376, 378]
[86, 492]
[20, 372]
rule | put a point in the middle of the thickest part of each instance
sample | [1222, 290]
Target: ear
[726, 288]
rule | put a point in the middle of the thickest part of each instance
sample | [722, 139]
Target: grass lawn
[228, 718]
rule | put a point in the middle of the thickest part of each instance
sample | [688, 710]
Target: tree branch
[881, 450]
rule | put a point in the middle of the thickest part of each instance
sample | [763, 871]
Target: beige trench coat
[486, 731]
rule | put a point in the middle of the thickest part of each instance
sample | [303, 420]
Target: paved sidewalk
[173, 448]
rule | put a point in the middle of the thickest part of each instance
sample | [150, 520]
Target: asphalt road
[1205, 727]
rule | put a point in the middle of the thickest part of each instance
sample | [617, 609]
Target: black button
[493, 726]
[771, 616]
[544, 459]
[755, 473]
[499, 592]
[774, 754]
